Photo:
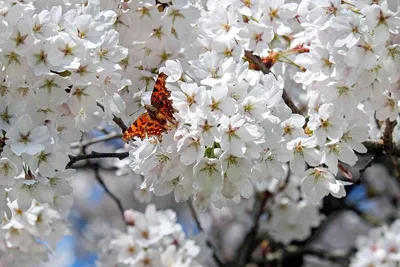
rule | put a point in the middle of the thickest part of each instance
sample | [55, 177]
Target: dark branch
[289, 102]
[116, 119]
[102, 183]
[249, 245]
[367, 165]
[257, 61]
[194, 215]
[292, 251]
[388, 136]
[208, 242]
[378, 147]
[95, 155]
[264, 68]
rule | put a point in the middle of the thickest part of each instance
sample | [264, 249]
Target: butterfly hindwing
[137, 128]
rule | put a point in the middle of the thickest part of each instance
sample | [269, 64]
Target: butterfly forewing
[160, 91]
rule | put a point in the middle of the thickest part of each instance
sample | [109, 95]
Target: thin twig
[106, 189]
[248, 245]
[264, 68]
[96, 155]
[116, 119]
[208, 242]
[99, 139]
[367, 165]
[194, 215]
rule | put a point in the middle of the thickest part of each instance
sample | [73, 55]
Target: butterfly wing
[155, 128]
[160, 91]
[137, 128]
[143, 127]
[160, 98]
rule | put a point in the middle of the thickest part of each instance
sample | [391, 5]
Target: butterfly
[154, 122]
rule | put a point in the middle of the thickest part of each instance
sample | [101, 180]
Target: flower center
[258, 37]
[210, 168]
[43, 157]
[102, 53]
[342, 90]
[287, 129]
[214, 105]
[67, 50]
[176, 13]
[248, 107]
[41, 57]
[131, 249]
[24, 138]
[5, 116]
[20, 39]
[82, 70]
[273, 14]
[145, 234]
[325, 124]
[232, 133]
[391, 104]
[226, 27]
[82, 34]
[299, 148]
[5, 169]
[190, 99]
[12, 58]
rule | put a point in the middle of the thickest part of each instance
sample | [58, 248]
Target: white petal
[297, 164]
[245, 187]
[161, 189]
[24, 199]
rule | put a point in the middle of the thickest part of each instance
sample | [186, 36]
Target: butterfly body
[154, 122]
[155, 114]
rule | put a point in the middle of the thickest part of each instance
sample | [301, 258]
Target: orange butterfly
[159, 113]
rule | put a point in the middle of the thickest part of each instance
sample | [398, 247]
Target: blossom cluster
[30, 235]
[68, 66]
[234, 128]
[291, 215]
[379, 248]
[153, 238]
[58, 61]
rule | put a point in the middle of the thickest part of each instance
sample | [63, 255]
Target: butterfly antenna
[189, 76]
[136, 111]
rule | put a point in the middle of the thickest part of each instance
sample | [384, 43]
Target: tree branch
[95, 155]
[264, 68]
[289, 102]
[379, 147]
[116, 119]
[257, 61]
[292, 251]
[388, 136]
[248, 245]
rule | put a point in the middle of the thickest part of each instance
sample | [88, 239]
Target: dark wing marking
[137, 128]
